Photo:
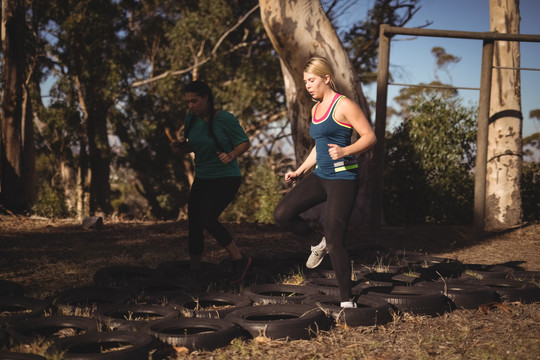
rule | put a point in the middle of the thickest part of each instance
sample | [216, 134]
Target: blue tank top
[327, 130]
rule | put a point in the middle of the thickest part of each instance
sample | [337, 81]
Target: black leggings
[340, 196]
[207, 200]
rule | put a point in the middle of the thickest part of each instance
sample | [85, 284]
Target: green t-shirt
[227, 131]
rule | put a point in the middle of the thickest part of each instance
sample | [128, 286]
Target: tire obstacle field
[132, 312]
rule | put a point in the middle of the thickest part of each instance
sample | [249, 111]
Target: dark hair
[202, 89]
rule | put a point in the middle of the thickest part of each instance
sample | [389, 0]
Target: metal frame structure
[489, 38]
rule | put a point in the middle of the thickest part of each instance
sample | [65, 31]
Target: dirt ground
[48, 256]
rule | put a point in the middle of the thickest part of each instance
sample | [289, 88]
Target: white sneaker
[348, 304]
[317, 255]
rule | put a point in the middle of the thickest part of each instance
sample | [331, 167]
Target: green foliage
[429, 163]
[407, 94]
[533, 140]
[535, 114]
[444, 59]
[530, 196]
[125, 198]
[235, 76]
[193, 29]
[258, 196]
[146, 152]
[100, 49]
[51, 200]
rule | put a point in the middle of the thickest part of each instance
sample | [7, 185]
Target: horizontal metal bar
[487, 35]
[515, 68]
[435, 86]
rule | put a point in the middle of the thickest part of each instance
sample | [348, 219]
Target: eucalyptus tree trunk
[298, 30]
[505, 162]
[16, 135]
[99, 152]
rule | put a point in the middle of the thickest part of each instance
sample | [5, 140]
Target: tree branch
[238, 23]
[205, 59]
[189, 68]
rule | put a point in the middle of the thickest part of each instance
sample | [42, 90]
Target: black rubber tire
[20, 308]
[90, 296]
[6, 355]
[370, 310]
[406, 279]
[321, 273]
[445, 267]
[194, 333]
[10, 288]
[159, 291]
[379, 276]
[47, 327]
[463, 294]
[327, 286]
[4, 337]
[357, 274]
[428, 260]
[182, 268]
[89, 346]
[523, 275]
[481, 271]
[120, 276]
[433, 269]
[384, 270]
[407, 255]
[208, 274]
[396, 279]
[281, 321]
[362, 288]
[260, 274]
[513, 290]
[414, 300]
[115, 317]
[209, 305]
[278, 293]
[263, 269]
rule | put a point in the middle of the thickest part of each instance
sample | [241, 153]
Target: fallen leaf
[181, 350]
[343, 325]
[502, 306]
[485, 308]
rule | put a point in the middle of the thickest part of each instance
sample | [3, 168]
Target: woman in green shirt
[217, 139]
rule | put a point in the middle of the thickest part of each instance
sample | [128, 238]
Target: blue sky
[411, 60]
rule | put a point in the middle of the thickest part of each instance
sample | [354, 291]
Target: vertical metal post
[482, 139]
[380, 128]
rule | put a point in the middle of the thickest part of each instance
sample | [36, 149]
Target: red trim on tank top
[315, 120]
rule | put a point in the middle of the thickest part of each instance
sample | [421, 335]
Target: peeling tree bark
[298, 30]
[504, 168]
[16, 136]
